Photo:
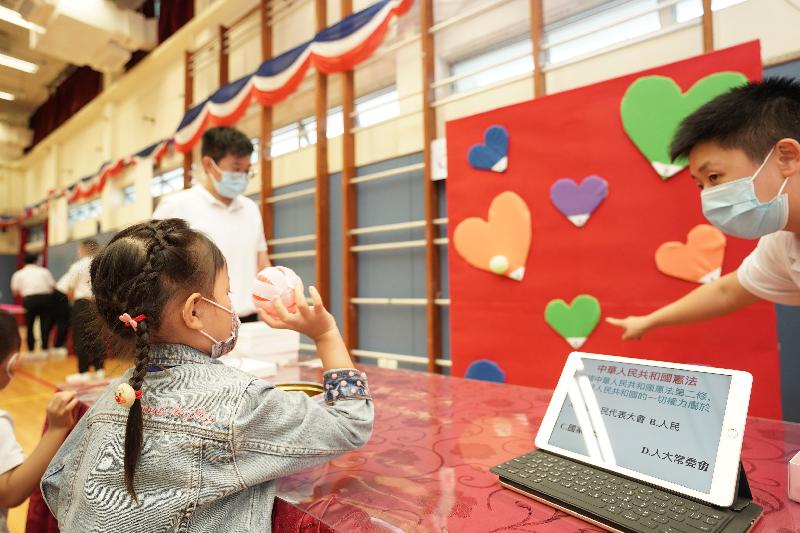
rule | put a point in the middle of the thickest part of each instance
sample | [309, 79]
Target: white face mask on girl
[220, 348]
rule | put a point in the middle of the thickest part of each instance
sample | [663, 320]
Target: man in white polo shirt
[34, 284]
[744, 154]
[219, 209]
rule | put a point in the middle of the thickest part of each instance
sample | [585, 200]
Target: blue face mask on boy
[735, 209]
[231, 184]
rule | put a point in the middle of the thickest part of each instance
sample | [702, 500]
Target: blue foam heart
[485, 370]
[493, 154]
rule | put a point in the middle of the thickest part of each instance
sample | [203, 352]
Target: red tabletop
[435, 438]
[426, 467]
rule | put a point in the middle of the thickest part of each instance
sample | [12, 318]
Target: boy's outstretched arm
[711, 300]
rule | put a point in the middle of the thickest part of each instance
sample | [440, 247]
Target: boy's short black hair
[31, 259]
[9, 334]
[222, 141]
[752, 118]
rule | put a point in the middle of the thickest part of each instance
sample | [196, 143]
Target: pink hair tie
[132, 323]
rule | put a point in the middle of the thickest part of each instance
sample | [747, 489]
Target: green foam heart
[574, 322]
[654, 106]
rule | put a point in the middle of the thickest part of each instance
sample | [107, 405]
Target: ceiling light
[19, 64]
[7, 96]
[9, 15]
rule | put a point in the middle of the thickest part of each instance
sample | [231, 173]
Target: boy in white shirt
[19, 476]
[34, 284]
[744, 154]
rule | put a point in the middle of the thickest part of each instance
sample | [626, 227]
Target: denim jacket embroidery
[345, 384]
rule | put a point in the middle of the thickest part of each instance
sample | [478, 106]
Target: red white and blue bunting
[338, 48]
[6, 221]
[93, 184]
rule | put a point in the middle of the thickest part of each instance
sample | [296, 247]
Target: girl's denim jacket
[214, 441]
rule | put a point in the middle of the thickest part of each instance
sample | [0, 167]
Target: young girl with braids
[183, 442]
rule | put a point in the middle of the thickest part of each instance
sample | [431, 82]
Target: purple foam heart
[577, 202]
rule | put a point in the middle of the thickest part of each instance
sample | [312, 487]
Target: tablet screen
[658, 421]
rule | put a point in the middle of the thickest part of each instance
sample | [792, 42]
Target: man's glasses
[251, 172]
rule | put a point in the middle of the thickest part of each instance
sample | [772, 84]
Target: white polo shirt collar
[204, 193]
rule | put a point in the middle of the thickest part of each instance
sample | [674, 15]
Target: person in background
[219, 209]
[60, 308]
[19, 476]
[34, 284]
[88, 344]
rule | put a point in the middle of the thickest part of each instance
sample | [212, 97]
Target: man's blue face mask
[231, 184]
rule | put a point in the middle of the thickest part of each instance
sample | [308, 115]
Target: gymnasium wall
[788, 316]
[61, 256]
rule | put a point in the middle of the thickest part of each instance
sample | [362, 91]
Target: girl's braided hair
[141, 270]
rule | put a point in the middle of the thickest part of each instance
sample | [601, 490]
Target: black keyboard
[615, 500]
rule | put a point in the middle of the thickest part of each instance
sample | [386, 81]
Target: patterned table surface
[426, 467]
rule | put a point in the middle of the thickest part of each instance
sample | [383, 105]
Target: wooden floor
[25, 399]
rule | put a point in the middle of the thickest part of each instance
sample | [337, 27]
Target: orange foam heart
[699, 260]
[501, 243]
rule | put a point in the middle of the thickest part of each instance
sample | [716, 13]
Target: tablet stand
[743, 495]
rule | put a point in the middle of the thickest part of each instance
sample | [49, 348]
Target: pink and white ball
[272, 282]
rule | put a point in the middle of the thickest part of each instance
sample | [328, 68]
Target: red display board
[576, 134]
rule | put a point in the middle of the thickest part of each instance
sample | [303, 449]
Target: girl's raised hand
[313, 322]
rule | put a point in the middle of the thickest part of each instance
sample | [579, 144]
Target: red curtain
[77, 90]
[80, 87]
[148, 9]
[173, 15]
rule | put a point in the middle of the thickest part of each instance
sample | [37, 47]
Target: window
[129, 195]
[167, 182]
[370, 109]
[589, 32]
[613, 22]
[377, 107]
[307, 131]
[691, 9]
[307, 127]
[335, 123]
[255, 155]
[36, 233]
[284, 140]
[84, 211]
[501, 63]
